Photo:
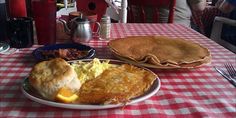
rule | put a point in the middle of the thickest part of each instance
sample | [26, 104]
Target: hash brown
[116, 85]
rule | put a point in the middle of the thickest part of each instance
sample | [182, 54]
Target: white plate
[27, 91]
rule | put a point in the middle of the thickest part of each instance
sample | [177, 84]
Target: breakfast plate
[88, 51]
[30, 93]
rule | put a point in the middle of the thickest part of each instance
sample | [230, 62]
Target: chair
[217, 29]
[118, 13]
[95, 6]
[140, 5]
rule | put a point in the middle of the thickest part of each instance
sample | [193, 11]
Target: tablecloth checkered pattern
[189, 93]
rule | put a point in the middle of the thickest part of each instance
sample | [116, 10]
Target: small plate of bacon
[68, 51]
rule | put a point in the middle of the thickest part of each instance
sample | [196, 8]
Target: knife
[226, 76]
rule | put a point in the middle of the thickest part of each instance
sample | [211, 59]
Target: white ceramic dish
[27, 91]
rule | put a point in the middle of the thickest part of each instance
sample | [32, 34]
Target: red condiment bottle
[17, 8]
[44, 14]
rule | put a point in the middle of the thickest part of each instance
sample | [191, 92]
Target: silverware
[226, 76]
[231, 70]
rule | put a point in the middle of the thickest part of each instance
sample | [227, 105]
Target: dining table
[184, 93]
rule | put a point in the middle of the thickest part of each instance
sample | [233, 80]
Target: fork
[226, 76]
[232, 72]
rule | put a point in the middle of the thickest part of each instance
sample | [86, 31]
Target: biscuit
[48, 77]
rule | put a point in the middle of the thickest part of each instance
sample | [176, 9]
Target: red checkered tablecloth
[199, 92]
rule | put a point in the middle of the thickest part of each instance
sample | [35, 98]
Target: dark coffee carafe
[3, 21]
[19, 24]
[20, 32]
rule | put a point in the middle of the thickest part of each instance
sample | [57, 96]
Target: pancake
[161, 51]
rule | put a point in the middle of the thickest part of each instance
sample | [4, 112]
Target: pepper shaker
[105, 27]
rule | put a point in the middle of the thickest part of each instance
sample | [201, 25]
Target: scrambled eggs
[89, 70]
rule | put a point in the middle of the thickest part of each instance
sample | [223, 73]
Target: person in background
[183, 11]
[226, 6]
[228, 32]
[213, 2]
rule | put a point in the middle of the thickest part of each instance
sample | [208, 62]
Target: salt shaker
[105, 27]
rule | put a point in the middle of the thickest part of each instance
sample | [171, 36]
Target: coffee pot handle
[96, 34]
[98, 28]
[66, 28]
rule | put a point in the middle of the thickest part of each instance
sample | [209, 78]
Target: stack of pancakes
[160, 52]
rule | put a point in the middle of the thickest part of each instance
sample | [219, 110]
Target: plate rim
[91, 53]
[155, 88]
[5, 47]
